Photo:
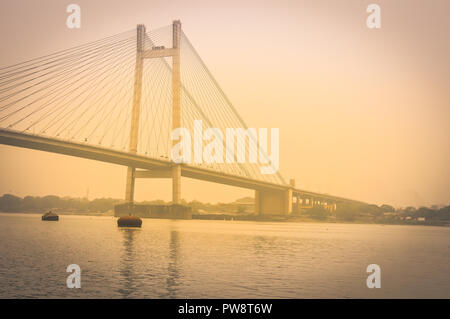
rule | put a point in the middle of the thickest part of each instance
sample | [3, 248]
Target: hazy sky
[363, 113]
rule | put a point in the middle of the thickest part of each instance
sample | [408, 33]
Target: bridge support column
[257, 203]
[176, 184]
[176, 106]
[134, 130]
[287, 202]
[129, 188]
[273, 202]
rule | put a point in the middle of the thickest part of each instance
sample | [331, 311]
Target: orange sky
[362, 113]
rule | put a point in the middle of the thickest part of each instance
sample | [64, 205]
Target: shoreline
[255, 218]
[303, 219]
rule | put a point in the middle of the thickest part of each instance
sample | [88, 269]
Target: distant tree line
[346, 212]
[353, 211]
[12, 203]
[432, 213]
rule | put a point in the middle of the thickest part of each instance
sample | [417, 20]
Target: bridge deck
[98, 153]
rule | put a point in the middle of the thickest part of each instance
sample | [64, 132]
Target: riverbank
[241, 209]
[267, 218]
[307, 219]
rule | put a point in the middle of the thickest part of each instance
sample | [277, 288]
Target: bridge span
[147, 167]
[118, 99]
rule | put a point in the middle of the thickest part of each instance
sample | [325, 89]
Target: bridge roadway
[150, 167]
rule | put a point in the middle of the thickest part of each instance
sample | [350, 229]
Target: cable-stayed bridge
[118, 99]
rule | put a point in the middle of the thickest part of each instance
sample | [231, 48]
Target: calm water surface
[219, 259]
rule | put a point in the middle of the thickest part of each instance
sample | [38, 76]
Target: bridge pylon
[176, 106]
[136, 108]
[152, 53]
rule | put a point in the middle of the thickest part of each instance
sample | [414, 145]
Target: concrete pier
[173, 211]
[272, 202]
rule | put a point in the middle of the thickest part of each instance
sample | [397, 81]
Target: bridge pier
[129, 187]
[273, 202]
[176, 184]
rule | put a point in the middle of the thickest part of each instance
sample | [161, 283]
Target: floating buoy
[129, 221]
[50, 217]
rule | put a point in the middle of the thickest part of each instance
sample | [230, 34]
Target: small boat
[129, 221]
[50, 216]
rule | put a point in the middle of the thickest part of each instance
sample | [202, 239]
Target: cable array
[84, 94]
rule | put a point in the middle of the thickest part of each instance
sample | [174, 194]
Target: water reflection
[173, 267]
[128, 261]
[130, 275]
[211, 259]
[263, 246]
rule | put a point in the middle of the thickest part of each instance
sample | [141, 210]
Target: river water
[219, 259]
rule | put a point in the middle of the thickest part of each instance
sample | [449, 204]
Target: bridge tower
[176, 106]
[136, 108]
[152, 53]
